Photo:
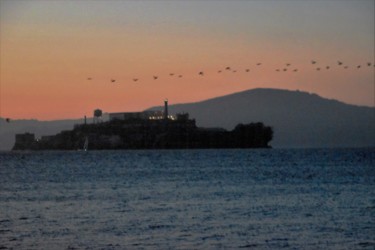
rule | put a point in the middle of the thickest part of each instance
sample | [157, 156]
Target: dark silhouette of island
[299, 119]
[144, 130]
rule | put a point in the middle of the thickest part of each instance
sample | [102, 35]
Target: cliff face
[152, 134]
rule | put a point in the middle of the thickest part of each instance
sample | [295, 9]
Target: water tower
[98, 115]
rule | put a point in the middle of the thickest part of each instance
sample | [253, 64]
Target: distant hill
[299, 119]
[9, 129]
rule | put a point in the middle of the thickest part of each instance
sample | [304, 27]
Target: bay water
[188, 199]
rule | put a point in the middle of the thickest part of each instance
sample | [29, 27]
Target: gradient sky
[50, 48]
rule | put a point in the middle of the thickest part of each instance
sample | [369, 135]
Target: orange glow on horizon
[46, 63]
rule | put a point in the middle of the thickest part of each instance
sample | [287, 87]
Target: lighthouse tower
[166, 109]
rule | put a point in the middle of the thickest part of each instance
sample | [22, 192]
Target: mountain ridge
[273, 90]
[300, 119]
[337, 124]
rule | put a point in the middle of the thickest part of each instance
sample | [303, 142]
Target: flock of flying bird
[284, 69]
[229, 69]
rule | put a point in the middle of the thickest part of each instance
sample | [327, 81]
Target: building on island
[25, 141]
[145, 115]
[25, 138]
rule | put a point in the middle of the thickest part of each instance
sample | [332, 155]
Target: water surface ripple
[188, 199]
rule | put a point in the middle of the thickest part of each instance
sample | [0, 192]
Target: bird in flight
[113, 80]
[327, 67]
[227, 68]
[89, 78]
[247, 70]
[219, 71]
[317, 69]
[339, 63]
[135, 79]
[155, 77]
[7, 120]
[258, 64]
[359, 66]
[287, 64]
[171, 74]
[369, 64]
[295, 70]
[179, 76]
[313, 62]
[285, 69]
[201, 73]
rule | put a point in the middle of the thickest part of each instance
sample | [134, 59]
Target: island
[148, 130]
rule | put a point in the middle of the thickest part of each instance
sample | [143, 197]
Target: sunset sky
[49, 49]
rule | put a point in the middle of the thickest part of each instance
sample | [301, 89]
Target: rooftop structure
[145, 115]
